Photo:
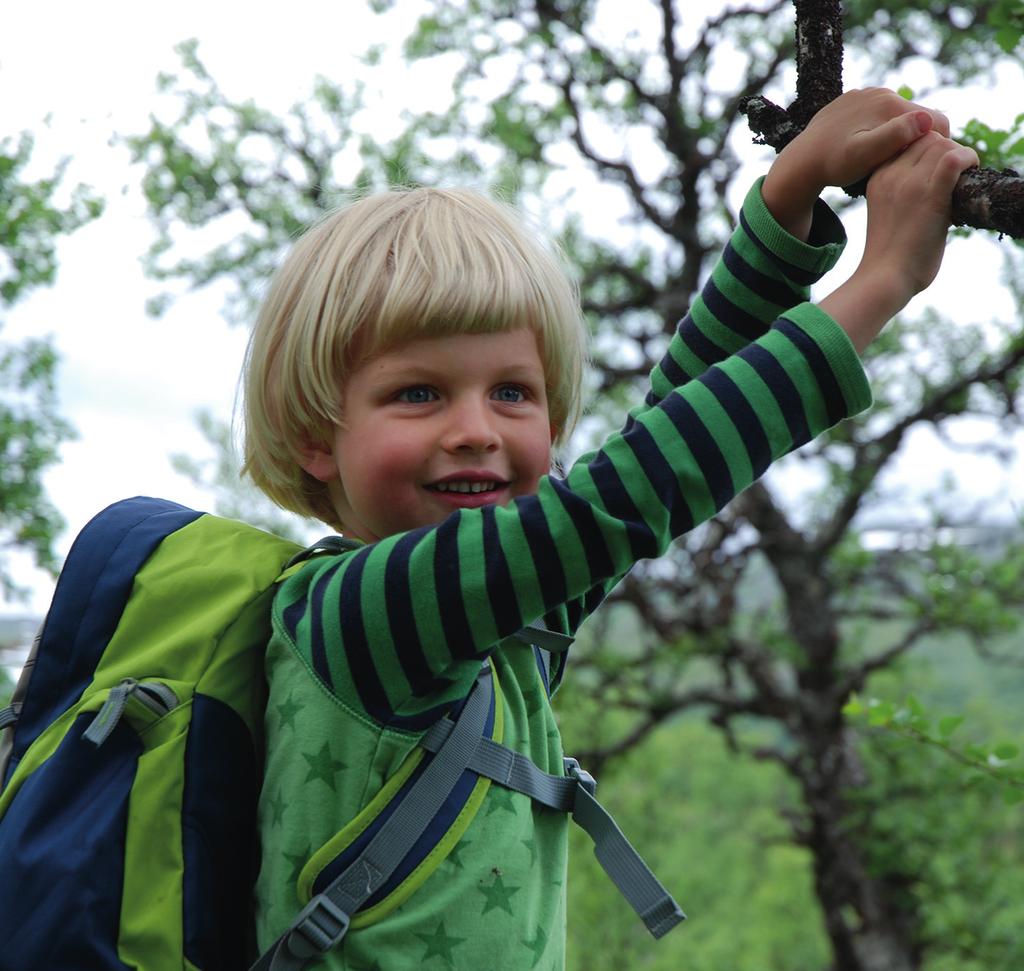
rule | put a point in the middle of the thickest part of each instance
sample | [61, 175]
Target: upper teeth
[464, 486]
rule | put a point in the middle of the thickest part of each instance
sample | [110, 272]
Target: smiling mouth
[466, 487]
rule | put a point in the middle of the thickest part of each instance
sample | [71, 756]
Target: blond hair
[387, 269]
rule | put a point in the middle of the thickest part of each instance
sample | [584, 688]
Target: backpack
[131, 762]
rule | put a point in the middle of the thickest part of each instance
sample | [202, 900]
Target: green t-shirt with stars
[371, 647]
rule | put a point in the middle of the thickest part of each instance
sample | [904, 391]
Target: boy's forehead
[506, 350]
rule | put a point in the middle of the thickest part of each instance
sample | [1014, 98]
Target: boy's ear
[318, 461]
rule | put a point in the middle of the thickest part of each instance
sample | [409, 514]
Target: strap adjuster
[575, 771]
[320, 926]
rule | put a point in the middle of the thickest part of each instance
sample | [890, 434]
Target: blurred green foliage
[712, 825]
[32, 217]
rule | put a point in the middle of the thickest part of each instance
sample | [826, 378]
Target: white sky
[131, 385]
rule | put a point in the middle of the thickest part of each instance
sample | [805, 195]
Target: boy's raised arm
[770, 262]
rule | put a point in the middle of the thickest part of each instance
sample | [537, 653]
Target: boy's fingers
[896, 134]
[933, 148]
[954, 161]
[933, 163]
[940, 122]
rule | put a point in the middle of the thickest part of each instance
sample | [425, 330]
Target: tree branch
[620, 171]
[819, 57]
[874, 455]
[854, 679]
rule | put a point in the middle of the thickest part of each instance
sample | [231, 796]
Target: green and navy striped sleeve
[396, 630]
[762, 273]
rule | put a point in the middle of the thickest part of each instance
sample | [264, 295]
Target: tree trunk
[867, 929]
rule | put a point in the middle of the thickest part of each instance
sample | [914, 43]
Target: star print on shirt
[440, 944]
[498, 895]
[297, 861]
[287, 711]
[323, 766]
[535, 701]
[455, 855]
[500, 799]
[277, 806]
[537, 945]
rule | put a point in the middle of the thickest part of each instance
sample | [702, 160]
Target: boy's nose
[471, 427]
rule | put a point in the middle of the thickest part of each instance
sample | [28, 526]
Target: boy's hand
[843, 143]
[909, 204]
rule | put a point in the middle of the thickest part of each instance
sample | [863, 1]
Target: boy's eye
[511, 393]
[417, 395]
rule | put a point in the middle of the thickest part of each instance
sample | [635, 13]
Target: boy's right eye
[418, 394]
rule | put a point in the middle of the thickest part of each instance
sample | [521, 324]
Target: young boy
[417, 358]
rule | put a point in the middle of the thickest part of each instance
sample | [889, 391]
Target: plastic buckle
[318, 928]
[575, 771]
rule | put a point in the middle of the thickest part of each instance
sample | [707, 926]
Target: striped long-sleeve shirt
[371, 647]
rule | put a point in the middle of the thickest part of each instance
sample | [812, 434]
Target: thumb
[876, 146]
[882, 143]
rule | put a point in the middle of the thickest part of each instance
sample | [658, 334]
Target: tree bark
[866, 932]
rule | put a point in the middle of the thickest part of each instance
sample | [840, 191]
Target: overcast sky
[131, 385]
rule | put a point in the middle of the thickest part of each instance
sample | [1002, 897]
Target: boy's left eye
[511, 393]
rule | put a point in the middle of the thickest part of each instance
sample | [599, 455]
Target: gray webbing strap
[324, 921]
[9, 715]
[547, 642]
[652, 902]
[574, 792]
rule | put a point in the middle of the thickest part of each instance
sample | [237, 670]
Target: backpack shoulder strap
[325, 920]
[327, 546]
[546, 645]
[575, 793]
[457, 746]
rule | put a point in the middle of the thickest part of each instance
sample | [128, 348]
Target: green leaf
[854, 707]
[949, 724]
[1008, 38]
[1013, 796]
[881, 712]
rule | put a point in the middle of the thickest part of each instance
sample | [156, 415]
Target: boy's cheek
[541, 467]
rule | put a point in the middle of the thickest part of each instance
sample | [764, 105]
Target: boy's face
[436, 425]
